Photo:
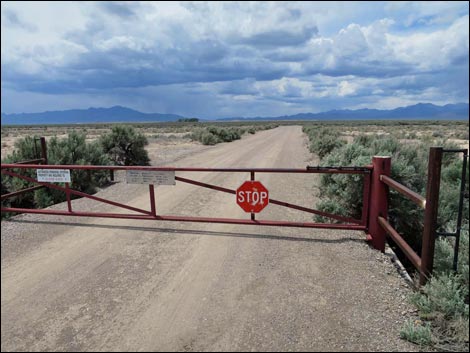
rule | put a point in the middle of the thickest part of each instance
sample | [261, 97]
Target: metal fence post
[378, 205]
[430, 214]
[44, 150]
[252, 178]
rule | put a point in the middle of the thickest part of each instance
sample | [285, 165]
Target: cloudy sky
[225, 59]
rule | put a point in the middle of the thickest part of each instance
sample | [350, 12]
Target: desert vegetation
[212, 135]
[187, 129]
[102, 144]
[121, 146]
[443, 302]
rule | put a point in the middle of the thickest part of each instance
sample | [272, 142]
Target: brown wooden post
[430, 213]
[378, 205]
[44, 150]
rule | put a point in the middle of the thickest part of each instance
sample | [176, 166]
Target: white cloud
[292, 55]
[346, 88]
[433, 50]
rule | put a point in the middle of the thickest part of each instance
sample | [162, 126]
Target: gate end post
[378, 205]
[430, 213]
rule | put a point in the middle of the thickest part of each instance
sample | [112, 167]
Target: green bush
[25, 149]
[416, 333]
[444, 299]
[323, 141]
[442, 294]
[209, 139]
[72, 150]
[212, 135]
[345, 190]
[125, 146]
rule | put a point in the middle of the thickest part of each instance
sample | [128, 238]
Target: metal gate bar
[352, 224]
[273, 201]
[191, 219]
[74, 192]
[308, 170]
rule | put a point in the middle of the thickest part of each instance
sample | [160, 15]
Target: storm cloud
[232, 59]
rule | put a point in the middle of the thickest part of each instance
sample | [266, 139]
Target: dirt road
[101, 284]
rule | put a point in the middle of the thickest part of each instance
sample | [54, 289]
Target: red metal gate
[14, 170]
[376, 183]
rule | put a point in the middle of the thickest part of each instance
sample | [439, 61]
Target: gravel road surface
[91, 284]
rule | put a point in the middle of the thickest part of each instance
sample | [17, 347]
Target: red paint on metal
[75, 192]
[222, 170]
[274, 201]
[20, 192]
[365, 199]
[430, 213]
[252, 196]
[190, 219]
[67, 194]
[252, 178]
[378, 201]
[402, 189]
[153, 209]
[151, 215]
[205, 185]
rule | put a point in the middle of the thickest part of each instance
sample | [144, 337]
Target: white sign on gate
[156, 177]
[53, 175]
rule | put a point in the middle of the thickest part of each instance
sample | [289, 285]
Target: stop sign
[252, 196]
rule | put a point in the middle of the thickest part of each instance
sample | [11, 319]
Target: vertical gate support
[430, 214]
[44, 150]
[378, 205]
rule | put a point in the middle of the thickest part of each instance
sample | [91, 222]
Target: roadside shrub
[416, 333]
[25, 149]
[442, 294]
[212, 135]
[72, 150]
[124, 146]
[444, 300]
[346, 190]
[208, 138]
[323, 141]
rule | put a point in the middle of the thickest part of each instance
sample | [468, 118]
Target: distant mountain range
[422, 111]
[115, 114]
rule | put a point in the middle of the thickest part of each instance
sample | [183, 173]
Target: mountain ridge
[116, 114]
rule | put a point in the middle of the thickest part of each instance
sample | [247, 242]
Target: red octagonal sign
[252, 196]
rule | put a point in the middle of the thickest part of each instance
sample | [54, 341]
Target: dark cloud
[117, 8]
[287, 56]
[239, 87]
[361, 68]
[193, 53]
[279, 38]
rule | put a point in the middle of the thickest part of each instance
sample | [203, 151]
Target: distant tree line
[188, 120]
